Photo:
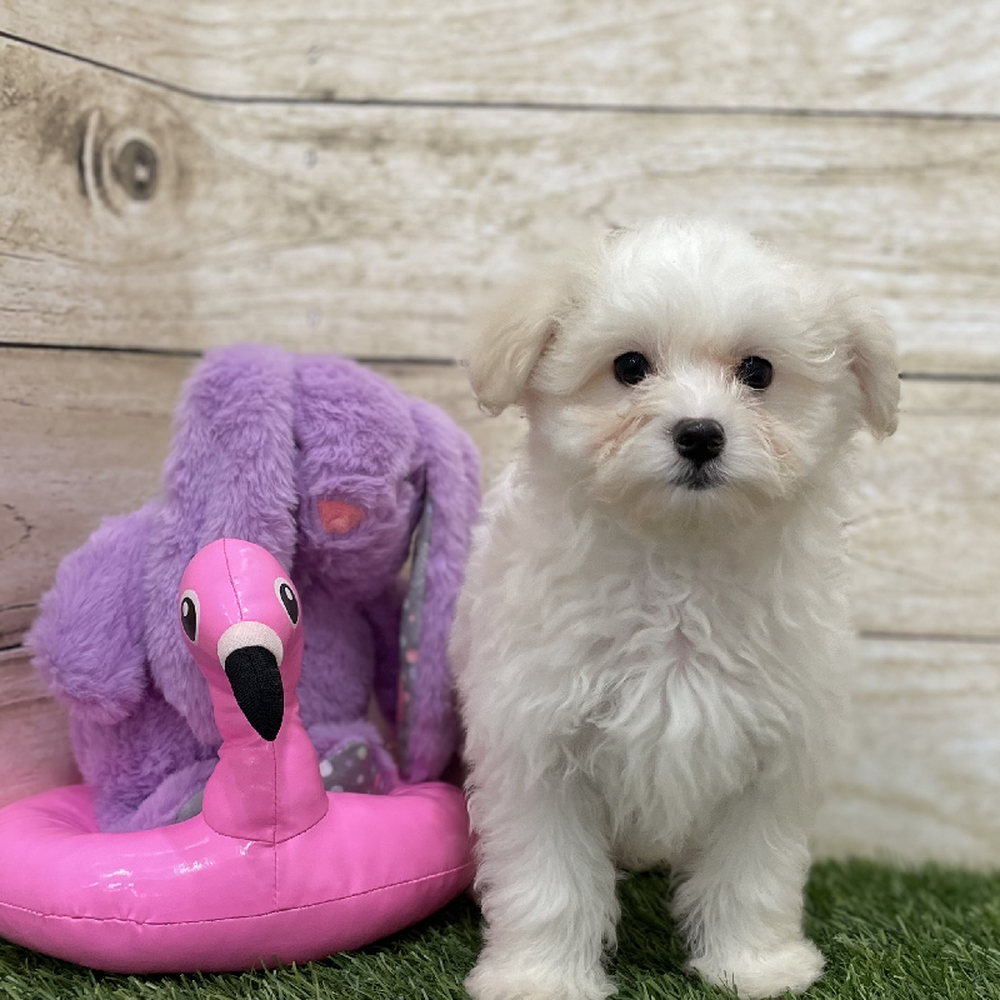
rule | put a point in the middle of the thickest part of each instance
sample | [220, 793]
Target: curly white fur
[651, 673]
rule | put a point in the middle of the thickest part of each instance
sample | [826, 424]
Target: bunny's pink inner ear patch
[338, 517]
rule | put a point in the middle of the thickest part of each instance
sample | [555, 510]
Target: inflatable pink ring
[274, 869]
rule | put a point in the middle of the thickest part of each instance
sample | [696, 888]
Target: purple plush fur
[260, 437]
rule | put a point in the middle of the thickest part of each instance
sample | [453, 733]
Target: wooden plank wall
[356, 178]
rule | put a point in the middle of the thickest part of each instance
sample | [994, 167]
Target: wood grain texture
[376, 230]
[927, 525]
[83, 435]
[35, 751]
[915, 55]
[920, 778]
[278, 210]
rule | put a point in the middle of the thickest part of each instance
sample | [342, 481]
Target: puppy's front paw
[502, 980]
[794, 966]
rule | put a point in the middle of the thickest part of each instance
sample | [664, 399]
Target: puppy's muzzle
[699, 441]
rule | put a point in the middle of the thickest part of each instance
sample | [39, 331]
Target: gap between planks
[379, 230]
[584, 107]
[985, 378]
[898, 54]
[193, 354]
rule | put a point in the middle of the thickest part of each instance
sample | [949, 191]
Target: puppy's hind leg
[548, 892]
[739, 898]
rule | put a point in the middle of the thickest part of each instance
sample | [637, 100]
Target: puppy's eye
[755, 372]
[288, 599]
[189, 614]
[631, 368]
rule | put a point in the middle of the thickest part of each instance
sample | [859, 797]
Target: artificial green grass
[887, 933]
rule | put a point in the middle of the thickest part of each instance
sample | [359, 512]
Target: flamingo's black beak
[256, 682]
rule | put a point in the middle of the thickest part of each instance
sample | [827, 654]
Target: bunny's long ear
[427, 722]
[230, 474]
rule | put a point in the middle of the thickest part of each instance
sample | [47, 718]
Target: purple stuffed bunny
[343, 478]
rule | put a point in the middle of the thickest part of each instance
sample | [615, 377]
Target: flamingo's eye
[189, 614]
[286, 594]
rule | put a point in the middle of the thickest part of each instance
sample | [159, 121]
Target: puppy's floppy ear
[513, 336]
[874, 363]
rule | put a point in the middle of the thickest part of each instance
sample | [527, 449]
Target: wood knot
[118, 166]
[136, 168]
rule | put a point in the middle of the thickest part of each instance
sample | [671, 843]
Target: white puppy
[653, 631]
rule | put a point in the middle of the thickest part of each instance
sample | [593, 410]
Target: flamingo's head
[242, 620]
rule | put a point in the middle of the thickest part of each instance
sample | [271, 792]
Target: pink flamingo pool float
[275, 869]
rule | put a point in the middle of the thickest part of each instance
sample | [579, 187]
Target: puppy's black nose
[698, 440]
